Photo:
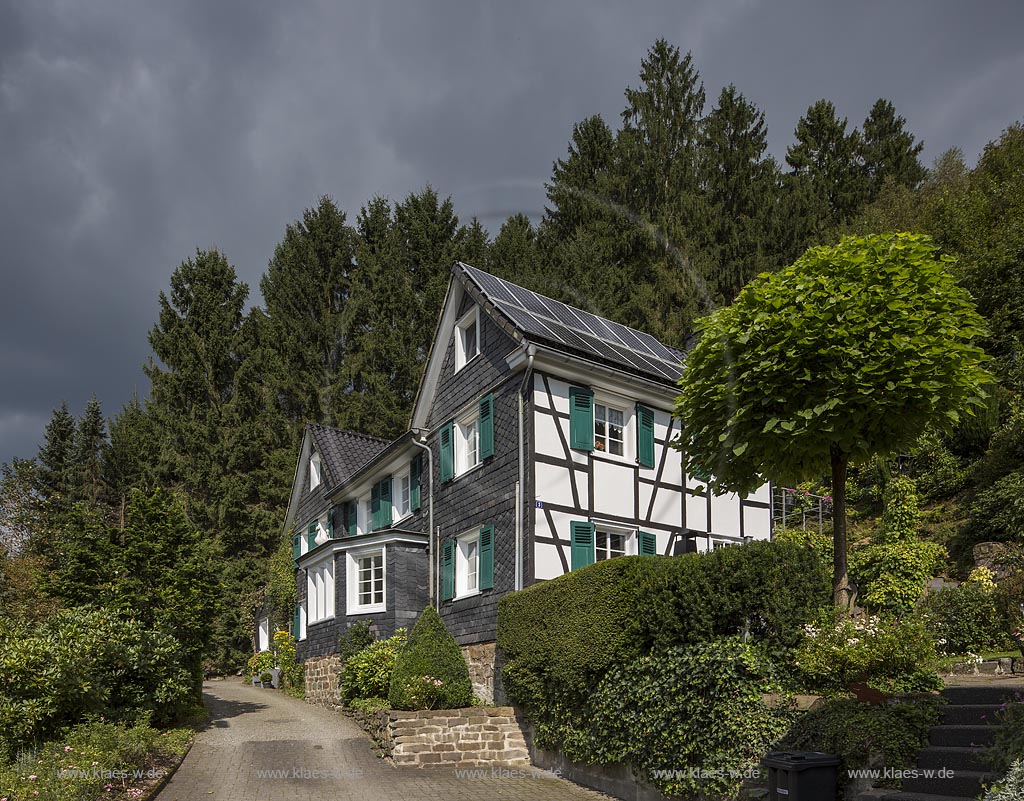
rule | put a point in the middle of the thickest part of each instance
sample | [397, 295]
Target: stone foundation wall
[458, 738]
[483, 671]
[322, 681]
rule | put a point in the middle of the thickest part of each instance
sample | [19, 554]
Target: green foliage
[367, 674]
[863, 735]
[856, 348]
[431, 672]
[820, 544]
[1008, 745]
[293, 670]
[561, 637]
[891, 655]
[939, 472]
[109, 749]
[83, 663]
[1010, 787]
[892, 575]
[259, 662]
[968, 619]
[354, 639]
[901, 515]
[368, 706]
[997, 512]
[698, 706]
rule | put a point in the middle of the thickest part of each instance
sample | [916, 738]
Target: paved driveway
[261, 745]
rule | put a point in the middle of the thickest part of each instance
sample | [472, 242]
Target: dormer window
[315, 471]
[467, 338]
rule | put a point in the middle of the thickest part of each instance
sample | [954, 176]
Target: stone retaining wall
[461, 738]
[322, 681]
[481, 660]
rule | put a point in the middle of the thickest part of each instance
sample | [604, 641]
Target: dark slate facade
[485, 495]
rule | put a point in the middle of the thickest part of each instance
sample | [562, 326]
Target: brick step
[962, 736]
[969, 714]
[952, 757]
[964, 783]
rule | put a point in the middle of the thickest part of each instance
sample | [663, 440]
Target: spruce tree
[90, 448]
[56, 459]
[131, 455]
[305, 290]
[888, 150]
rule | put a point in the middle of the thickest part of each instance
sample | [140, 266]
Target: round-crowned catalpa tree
[849, 353]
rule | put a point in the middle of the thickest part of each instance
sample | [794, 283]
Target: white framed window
[264, 634]
[467, 564]
[403, 495]
[467, 443]
[467, 338]
[320, 591]
[302, 622]
[367, 581]
[316, 470]
[609, 429]
[609, 543]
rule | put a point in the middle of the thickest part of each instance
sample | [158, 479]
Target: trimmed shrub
[355, 638]
[698, 707]
[430, 672]
[902, 513]
[367, 674]
[894, 656]
[863, 735]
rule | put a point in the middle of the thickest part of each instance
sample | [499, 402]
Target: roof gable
[343, 452]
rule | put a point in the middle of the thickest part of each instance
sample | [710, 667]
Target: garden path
[260, 745]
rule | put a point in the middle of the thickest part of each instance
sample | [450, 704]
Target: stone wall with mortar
[483, 671]
[459, 738]
[322, 681]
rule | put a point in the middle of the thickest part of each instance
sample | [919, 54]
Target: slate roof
[343, 452]
[565, 328]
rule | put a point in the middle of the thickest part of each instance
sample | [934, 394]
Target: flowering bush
[425, 692]
[1009, 740]
[258, 663]
[293, 670]
[891, 655]
[984, 578]
[430, 669]
[967, 618]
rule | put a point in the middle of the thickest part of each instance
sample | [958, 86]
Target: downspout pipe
[421, 443]
[531, 351]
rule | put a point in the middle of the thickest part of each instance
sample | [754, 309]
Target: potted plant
[266, 679]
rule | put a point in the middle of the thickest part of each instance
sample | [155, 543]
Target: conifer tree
[56, 459]
[888, 150]
[131, 455]
[90, 447]
[305, 290]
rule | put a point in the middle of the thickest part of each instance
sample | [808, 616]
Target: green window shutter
[351, 512]
[582, 538]
[486, 558]
[486, 426]
[447, 571]
[330, 523]
[311, 535]
[414, 483]
[375, 507]
[644, 436]
[447, 436]
[296, 546]
[385, 503]
[296, 621]
[648, 544]
[581, 418]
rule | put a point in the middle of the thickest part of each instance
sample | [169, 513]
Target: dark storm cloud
[131, 134]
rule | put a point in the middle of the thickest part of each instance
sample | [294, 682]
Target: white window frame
[315, 471]
[354, 607]
[263, 635]
[320, 590]
[611, 405]
[364, 514]
[629, 534]
[463, 426]
[302, 621]
[401, 496]
[467, 564]
[462, 354]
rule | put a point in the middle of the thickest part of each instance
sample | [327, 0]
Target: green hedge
[561, 637]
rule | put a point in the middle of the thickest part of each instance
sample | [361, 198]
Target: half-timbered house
[539, 444]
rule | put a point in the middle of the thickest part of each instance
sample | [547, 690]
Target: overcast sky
[132, 133]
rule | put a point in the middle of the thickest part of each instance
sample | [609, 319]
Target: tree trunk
[842, 593]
